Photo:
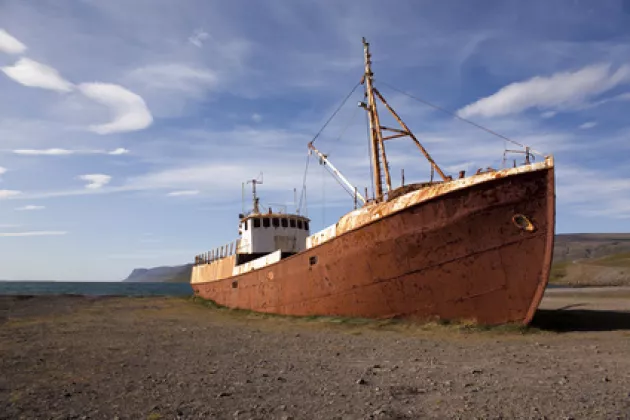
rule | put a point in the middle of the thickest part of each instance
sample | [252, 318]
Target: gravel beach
[69, 357]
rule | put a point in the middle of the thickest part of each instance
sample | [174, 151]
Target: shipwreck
[475, 248]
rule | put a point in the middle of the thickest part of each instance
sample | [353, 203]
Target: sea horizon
[93, 288]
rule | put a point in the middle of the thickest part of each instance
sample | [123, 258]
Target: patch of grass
[154, 416]
[558, 271]
[615, 260]
[359, 325]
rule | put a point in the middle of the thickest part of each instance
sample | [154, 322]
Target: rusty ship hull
[450, 251]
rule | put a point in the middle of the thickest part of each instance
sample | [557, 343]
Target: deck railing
[218, 253]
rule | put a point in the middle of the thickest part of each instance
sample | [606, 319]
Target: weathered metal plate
[454, 254]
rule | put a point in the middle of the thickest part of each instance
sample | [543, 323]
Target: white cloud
[560, 91]
[9, 193]
[119, 151]
[175, 76]
[33, 74]
[9, 44]
[3, 170]
[583, 190]
[48, 152]
[34, 233]
[548, 114]
[588, 125]
[183, 192]
[257, 117]
[130, 110]
[95, 181]
[30, 207]
[197, 38]
[65, 152]
[8, 226]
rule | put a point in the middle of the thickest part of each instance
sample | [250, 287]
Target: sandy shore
[167, 358]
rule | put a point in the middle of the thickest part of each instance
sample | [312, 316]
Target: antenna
[255, 198]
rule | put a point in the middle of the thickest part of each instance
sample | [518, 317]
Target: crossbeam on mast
[408, 132]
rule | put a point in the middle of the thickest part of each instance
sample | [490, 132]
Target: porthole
[522, 222]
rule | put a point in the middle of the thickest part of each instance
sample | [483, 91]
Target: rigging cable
[336, 111]
[303, 193]
[458, 117]
[345, 188]
[323, 197]
[343, 132]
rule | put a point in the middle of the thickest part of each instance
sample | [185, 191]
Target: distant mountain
[574, 246]
[591, 259]
[165, 274]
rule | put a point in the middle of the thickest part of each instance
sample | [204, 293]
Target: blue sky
[128, 127]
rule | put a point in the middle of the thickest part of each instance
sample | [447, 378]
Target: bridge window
[245, 224]
[305, 225]
[284, 222]
[276, 222]
[266, 222]
[292, 223]
[256, 222]
[299, 222]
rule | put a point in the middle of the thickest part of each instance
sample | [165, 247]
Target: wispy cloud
[95, 181]
[3, 170]
[564, 90]
[33, 74]
[9, 193]
[548, 114]
[585, 193]
[588, 125]
[198, 37]
[9, 44]
[30, 207]
[34, 233]
[65, 152]
[8, 226]
[175, 76]
[183, 192]
[129, 109]
[257, 118]
[48, 152]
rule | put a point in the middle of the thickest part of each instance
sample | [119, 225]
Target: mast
[376, 136]
[255, 210]
[376, 133]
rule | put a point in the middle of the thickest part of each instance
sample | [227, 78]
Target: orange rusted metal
[476, 248]
[455, 255]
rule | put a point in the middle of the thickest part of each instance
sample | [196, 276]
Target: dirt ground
[166, 358]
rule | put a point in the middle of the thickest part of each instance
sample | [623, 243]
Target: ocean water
[94, 288]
